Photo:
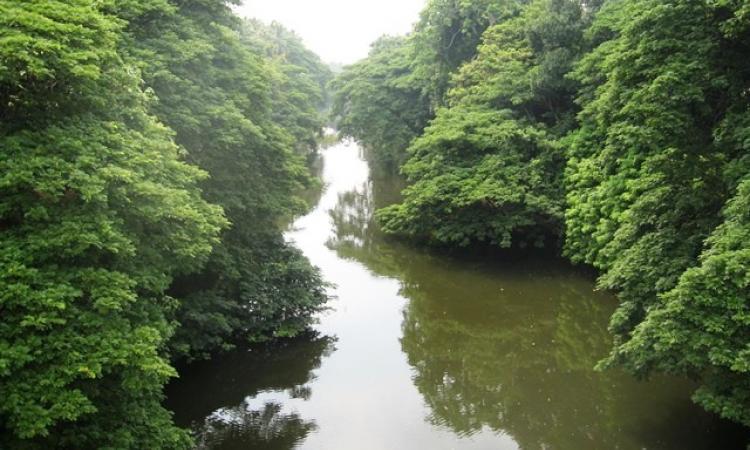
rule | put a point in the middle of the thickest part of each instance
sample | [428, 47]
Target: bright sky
[340, 31]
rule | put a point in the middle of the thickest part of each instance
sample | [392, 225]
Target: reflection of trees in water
[523, 367]
[313, 193]
[242, 428]
[511, 348]
[521, 362]
[352, 220]
[356, 235]
[214, 397]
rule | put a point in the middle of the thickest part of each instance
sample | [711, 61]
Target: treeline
[150, 154]
[615, 131]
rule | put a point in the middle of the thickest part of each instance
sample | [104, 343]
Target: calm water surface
[421, 351]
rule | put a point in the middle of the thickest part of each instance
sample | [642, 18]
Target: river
[426, 351]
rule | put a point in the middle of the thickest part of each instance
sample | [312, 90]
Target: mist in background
[340, 31]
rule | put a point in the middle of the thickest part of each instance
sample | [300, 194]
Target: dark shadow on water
[214, 399]
[265, 428]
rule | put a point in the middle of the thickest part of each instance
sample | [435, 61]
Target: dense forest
[614, 132]
[151, 153]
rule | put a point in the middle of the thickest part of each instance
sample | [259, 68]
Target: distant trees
[387, 99]
[615, 131]
[299, 79]
[142, 182]
[380, 103]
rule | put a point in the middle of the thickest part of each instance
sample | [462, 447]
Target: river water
[427, 351]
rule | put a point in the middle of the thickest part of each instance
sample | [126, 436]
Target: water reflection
[515, 355]
[434, 352]
[241, 427]
[243, 399]
[509, 348]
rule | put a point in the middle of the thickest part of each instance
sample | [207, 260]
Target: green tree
[700, 328]
[655, 162]
[98, 213]
[299, 79]
[488, 168]
[220, 92]
[448, 35]
[660, 150]
[386, 100]
[100, 216]
[378, 101]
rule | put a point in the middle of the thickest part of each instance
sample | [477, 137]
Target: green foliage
[466, 190]
[378, 102]
[101, 215]
[151, 150]
[243, 100]
[702, 326]
[387, 99]
[97, 213]
[618, 127]
[255, 287]
[47, 51]
[299, 80]
[647, 176]
[447, 35]
[487, 168]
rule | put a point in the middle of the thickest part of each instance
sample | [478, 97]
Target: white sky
[340, 31]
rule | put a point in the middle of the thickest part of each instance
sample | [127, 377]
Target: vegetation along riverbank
[154, 152]
[616, 132]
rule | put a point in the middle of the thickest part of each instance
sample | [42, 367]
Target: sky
[340, 31]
